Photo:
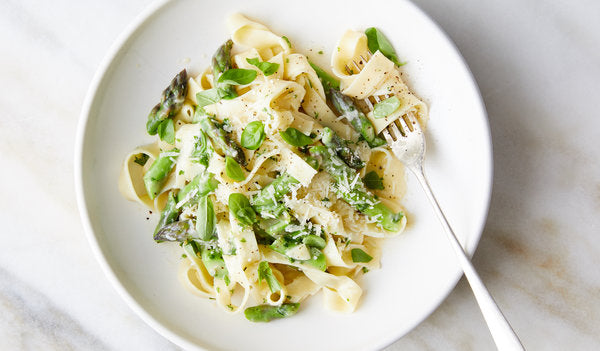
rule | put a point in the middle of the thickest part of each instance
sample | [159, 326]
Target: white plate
[418, 267]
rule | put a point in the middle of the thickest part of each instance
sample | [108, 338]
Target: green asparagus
[169, 214]
[200, 186]
[345, 106]
[170, 103]
[221, 62]
[266, 313]
[286, 242]
[314, 241]
[206, 219]
[351, 189]
[266, 201]
[326, 79]
[222, 140]
[266, 273]
[340, 146]
[212, 258]
[156, 176]
[176, 231]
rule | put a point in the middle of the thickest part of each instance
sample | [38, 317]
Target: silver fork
[407, 142]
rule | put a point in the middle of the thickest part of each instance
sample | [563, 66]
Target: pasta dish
[270, 173]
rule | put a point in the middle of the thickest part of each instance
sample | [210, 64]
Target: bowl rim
[92, 98]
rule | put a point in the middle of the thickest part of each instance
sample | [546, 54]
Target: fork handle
[503, 334]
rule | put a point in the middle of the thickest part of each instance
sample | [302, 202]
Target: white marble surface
[538, 66]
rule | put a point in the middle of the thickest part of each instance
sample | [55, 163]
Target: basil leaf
[267, 68]
[207, 97]
[294, 137]
[206, 219]
[327, 80]
[386, 107]
[141, 159]
[266, 273]
[202, 150]
[239, 207]
[377, 41]
[359, 255]
[237, 76]
[234, 170]
[373, 181]
[166, 131]
[253, 135]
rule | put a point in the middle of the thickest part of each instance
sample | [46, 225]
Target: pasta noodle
[271, 185]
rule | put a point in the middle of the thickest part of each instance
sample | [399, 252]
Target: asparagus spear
[267, 200]
[176, 231]
[326, 79]
[222, 140]
[345, 106]
[169, 214]
[156, 176]
[170, 103]
[351, 189]
[266, 313]
[221, 62]
[212, 258]
[200, 186]
[333, 141]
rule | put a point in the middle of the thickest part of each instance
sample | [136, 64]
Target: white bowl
[419, 268]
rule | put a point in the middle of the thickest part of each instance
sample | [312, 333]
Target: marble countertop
[537, 64]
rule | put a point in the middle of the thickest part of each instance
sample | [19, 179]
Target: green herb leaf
[207, 97]
[294, 137]
[202, 150]
[234, 170]
[237, 76]
[372, 180]
[287, 41]
[240, 208]
[141, 159]
[206, 219]
[377, 41]
[386, 107]
[326, 79]
[166, 131]
[265, 273]
[359, 255]
[253, 135]
[267, 68]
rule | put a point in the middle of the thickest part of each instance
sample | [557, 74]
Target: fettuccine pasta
[270, 173]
